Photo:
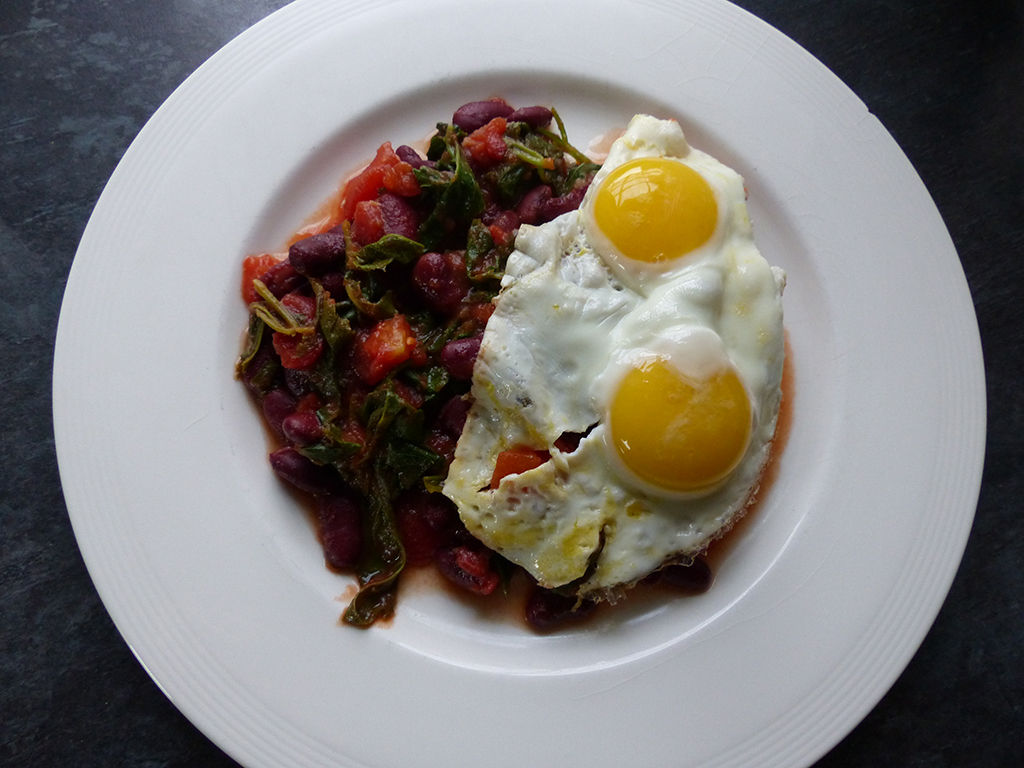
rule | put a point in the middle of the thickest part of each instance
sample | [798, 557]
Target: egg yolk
[655, 208]
[677, 434]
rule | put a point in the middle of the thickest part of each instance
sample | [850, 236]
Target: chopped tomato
[515, 461]
[368, 222]
[385, 171]
[254, 267]
[389, 344]
[300, 305]
[400, 179]
[500, 236]
[486, 145]
[299, 351]
[308, 403]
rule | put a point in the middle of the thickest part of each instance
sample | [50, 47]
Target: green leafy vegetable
[336, 329]
[275, 314]
[389, 248]
[360, 288]
[458, 197]
[485, 261]
[384, 558]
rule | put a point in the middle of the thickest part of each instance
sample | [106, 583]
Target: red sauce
[718, 550]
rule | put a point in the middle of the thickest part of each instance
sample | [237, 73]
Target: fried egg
[647, 326]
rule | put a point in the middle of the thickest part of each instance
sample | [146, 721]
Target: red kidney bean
[529, 207]
[334, 283]
[556, 206]
[477, 114]
[498, 217]
[317, 254]
[282, 278]
[425, 522]
[695, 578]
[442, 444]
[535, 117]
[302, 428]
[459, 355]
[452, 416]
[295, 469]
[400, 218]
[339, 522]
[546, 610]
[411, 156]
[299, 383]
[568, 442]
[441, 279]
[277, 405]
[468, 567]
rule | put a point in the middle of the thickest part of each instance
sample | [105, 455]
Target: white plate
[213, 576]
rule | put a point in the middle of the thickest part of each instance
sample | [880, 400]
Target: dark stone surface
[79, 79]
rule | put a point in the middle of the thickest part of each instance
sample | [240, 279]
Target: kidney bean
[425, 522]
[535, 117]
[568, 442]
[282, 279]
[400, 218]
[452, 416]
[411, 156]
[459, 355]
[695, 578]
[295, 469]
[477, 114]
[468, 567]
[302, 428]
[298, 382]
[546, 610]
[442, 444]
[277, 404]
[317, 254]
[529, 207]
[556, 206]
[334, 283]
[505, 220]
[441, 279]
[339, 522]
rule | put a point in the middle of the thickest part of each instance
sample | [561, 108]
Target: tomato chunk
[515, 461]
[299, 351]
[486, 145]
[385, 171]
[400, 179]
[389, 344]
[368, 222]
[252, 268]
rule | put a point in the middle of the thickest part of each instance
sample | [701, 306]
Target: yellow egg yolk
[677, 434]
[655, 208]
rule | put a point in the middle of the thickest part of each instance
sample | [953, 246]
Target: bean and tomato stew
[362, 339]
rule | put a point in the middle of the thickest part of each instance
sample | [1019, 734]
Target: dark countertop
[77, 82]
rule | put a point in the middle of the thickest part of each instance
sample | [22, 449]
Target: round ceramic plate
[214, 576]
